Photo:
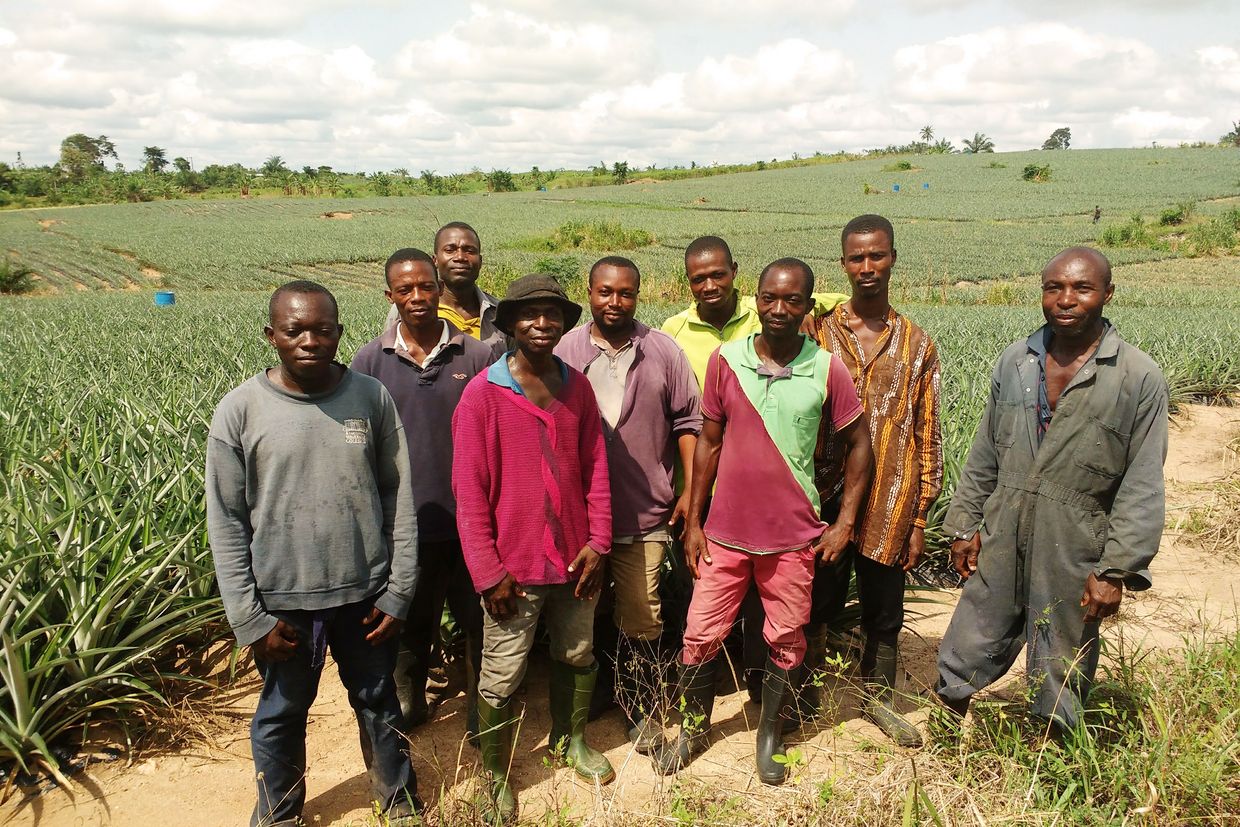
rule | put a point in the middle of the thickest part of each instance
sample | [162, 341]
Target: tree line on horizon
[81, 174]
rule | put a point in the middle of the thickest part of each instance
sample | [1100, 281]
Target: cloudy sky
[380, 84]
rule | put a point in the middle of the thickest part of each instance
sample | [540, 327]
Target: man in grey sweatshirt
[313, 531]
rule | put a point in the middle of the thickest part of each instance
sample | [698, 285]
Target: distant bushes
[1038, 173]
[590, 235]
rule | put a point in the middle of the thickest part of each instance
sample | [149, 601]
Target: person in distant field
[718, 315]
[895, 367]
[1060, 505]
[1097, 214]
[648, 397]
[762, 403]
[425, 362]
[533, 506]
[314, 535]
[469, 308]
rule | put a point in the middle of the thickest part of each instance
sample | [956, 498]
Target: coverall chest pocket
[1009, 420]
[1103, 449]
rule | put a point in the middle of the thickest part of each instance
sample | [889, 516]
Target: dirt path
[209, 783]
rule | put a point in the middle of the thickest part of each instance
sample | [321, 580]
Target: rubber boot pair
[496, 727]
[640, 692]
[776, 684]
[878, 670]
[571, 690]
[695, 698]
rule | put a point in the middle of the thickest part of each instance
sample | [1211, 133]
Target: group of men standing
[490, 454]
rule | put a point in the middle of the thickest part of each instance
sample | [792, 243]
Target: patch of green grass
[590, 235]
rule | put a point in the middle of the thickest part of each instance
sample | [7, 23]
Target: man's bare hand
[590, 563]
[277, 645]
[695, 550]
[385, 628]
[916, 548]
[965, 553]
[809, 324]
[501, 599]
[681, 513]
[832, 543]
[1102, 597]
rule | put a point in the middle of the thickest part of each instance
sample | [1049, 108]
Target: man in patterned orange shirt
[895, 367]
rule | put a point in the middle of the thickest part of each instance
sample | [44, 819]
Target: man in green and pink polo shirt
[762, 401]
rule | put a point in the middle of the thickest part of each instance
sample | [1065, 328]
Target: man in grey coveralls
[1060, 504]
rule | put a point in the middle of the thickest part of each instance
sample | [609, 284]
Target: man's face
[458, 257]
[613, 298]
[710, 276]
[782, 303]
[305, 332]
[538, 326]
[867, 259]
[1074, 293]
[413, 288]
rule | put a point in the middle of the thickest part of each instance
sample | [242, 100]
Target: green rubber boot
[495, 733]
[571, 690]
[880, 708]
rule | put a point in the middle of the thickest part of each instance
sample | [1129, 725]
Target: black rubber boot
[809, 695]
[571, 690]
[880, 679]
[409, 675]
[495, 734]
[695, 696]
[640, 692]
[770, 740]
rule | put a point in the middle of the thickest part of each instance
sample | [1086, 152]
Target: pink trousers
[785, 582]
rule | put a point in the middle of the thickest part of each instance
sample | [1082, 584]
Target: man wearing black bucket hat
[534, 514]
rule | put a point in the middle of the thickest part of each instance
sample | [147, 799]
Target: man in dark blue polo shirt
[425, 363]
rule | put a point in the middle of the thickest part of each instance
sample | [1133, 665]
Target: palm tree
[978, 143]
[1232, 138]
[927, 133]
[154, 159]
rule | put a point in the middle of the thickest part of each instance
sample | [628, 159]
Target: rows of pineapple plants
[106, 586]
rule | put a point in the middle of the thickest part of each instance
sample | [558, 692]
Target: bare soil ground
[209, 781]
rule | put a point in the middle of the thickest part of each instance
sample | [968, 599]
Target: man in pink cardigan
[533, 508]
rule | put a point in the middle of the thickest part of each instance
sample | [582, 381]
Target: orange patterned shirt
[898, 383]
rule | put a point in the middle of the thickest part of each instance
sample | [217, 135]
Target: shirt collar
[801, 365]
[402, 347]
[500, 374]
[740, 312]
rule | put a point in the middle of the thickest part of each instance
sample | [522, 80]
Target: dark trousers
[880, 590]
[442, 578]
[278, 730]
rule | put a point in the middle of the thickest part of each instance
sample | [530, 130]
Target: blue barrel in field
[165, 298]
[925, 186]
[895, 187]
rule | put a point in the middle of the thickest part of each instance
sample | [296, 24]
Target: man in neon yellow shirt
[718, 315]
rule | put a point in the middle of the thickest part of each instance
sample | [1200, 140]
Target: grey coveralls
[1090, 498]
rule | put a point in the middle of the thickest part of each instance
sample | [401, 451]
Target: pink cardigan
[531, 486]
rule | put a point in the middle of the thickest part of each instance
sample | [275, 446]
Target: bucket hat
[536, 287]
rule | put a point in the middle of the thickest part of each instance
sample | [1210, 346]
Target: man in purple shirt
[648, 397]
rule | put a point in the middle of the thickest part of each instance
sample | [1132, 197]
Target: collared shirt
[1039, 343]
[402, 347]
[898, 382]
[482, 327]
[765, 499]
[608, 376]
[700, 339]
[531, 485]
[659, 404]
[500, 373]
[426, 395]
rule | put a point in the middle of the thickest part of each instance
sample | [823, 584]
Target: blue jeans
[278, 731]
